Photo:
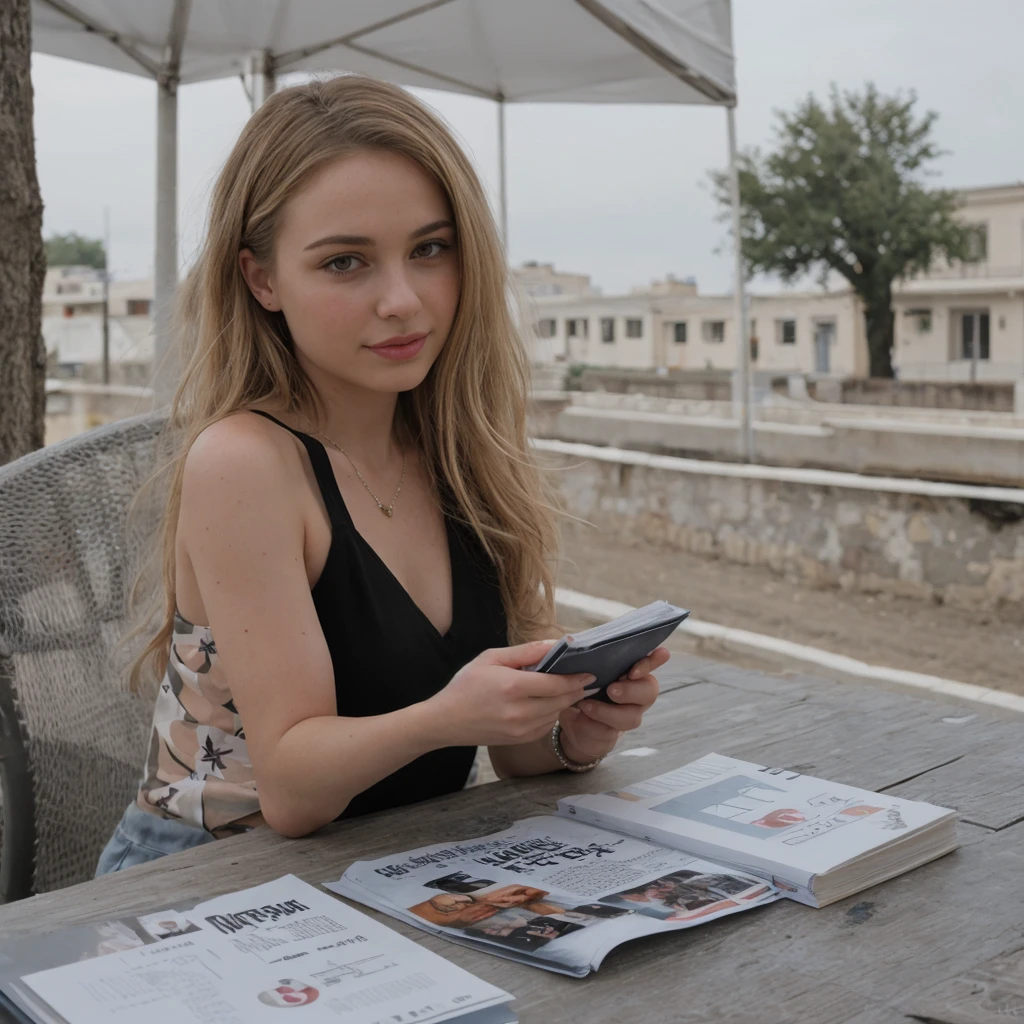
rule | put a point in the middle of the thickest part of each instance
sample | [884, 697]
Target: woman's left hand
[591, 728]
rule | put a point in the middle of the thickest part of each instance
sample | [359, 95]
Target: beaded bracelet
[573, 766]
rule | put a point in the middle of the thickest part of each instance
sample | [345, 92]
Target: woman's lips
[400, 348]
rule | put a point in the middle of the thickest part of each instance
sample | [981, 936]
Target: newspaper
[550, 892]
[250, 953]
[26, 954]
[773, 822]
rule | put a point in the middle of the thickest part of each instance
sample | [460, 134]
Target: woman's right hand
[492, 701]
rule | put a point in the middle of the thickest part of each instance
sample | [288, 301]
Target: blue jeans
[141, 837]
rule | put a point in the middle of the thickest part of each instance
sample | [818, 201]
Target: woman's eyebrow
[436, 225]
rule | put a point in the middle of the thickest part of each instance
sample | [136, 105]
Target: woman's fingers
[645, 666]
[620, 717]
[641, 691]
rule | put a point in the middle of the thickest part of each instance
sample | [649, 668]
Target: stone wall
[991, 396]
[711, 385]
[946, 542]
[943, 448]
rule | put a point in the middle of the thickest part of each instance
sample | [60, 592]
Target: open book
[715, 837]
[817, 841]
[240, 958]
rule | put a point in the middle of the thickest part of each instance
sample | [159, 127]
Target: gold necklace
[388, 510]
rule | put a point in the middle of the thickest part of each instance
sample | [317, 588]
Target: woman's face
[365, 271]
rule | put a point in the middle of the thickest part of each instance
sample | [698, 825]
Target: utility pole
[106, 294]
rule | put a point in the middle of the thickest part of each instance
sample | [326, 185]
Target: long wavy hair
[468, 416]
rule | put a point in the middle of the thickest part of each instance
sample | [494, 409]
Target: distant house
[954, 323]
[966, 320]
[73, 326]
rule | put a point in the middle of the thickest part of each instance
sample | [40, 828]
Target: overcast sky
[617, 192]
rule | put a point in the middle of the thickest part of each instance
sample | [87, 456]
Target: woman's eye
[341, 264]
[430, 249]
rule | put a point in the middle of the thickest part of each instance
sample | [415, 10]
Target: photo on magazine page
[520, 917]
[686, 895]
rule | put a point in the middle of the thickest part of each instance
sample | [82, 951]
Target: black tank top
[386, 653]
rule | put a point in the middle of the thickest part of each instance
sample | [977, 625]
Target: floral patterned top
[198, 769]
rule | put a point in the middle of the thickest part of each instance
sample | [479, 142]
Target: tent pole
[501, 172]
[742, 377]
[165, 257]
[262, 78]
[165, 268]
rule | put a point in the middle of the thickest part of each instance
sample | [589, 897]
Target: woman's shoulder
[241, 450]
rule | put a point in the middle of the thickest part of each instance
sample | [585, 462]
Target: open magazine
[551, 892]
[817, 841]
[242, 957]
[714, 837]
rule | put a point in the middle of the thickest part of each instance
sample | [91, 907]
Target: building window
[679, 332]
[974, 327]
[977, 242]
[785, 331]
[713, 331]
[922, 320]
[546, 328]
[607, 328]
[578, 328]
[753, 341]
[634, 328]
[138, 307]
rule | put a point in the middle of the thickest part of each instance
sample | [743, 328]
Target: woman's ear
[257, 277]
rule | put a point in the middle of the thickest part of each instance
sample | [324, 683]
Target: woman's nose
[398, 299]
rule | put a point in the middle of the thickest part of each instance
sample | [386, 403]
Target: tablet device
[610, 650]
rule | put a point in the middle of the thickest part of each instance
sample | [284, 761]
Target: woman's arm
[244, 533]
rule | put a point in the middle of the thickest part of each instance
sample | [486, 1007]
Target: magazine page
[559, 894]
[26, 954]
[283, 944]
[767, 820]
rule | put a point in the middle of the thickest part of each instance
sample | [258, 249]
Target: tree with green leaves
[74, 250]
[845, 190]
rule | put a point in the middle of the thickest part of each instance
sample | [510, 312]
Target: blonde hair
[468, 416]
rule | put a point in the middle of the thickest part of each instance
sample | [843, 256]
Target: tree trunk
[879, 321]
[22, 259]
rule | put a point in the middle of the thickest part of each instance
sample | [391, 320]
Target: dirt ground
[985, 646]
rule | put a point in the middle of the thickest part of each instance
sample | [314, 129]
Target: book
[716, 837]
[245, 955]
[551, 892]
[610, 650]
[817, 841]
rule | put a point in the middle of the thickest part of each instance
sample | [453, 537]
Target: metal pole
[262, 80]
[739, 302]
[501, 173]
[165, 269]
[165, 260]
[975, 344]
[106, 295]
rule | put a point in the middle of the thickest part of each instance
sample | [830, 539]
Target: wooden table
[943, 944]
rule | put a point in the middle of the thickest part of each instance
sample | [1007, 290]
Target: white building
[671, 325]
[73, 326]
[957, 322]
[966, 321]
[537, 279]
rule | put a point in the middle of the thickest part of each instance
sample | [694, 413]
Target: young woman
[356, 531]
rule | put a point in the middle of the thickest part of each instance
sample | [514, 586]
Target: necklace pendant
[388, 512]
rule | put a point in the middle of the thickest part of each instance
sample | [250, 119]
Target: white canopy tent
[577, 51]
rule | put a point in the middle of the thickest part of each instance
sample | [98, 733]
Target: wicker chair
[72, 738]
